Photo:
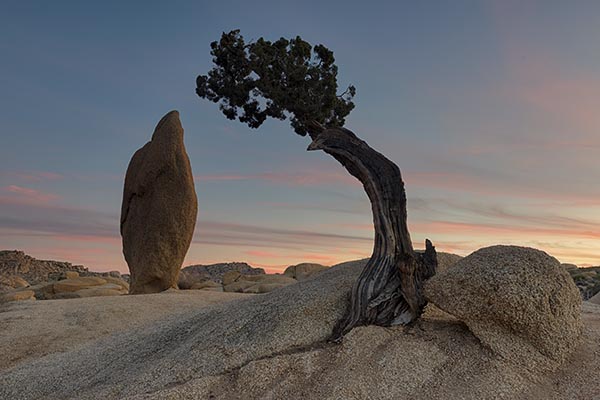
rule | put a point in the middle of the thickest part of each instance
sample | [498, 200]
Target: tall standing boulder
[159, 209]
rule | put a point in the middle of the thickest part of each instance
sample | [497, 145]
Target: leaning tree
[290, 79]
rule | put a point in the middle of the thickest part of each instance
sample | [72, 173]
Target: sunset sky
[491, 109]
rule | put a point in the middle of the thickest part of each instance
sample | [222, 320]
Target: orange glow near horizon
[563, 224]
[104, 253]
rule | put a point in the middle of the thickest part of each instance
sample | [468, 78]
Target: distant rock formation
[207, 285]
[159, 209]
[233, 281]
[10, 282]
[17, 263]
[70, 285]
[21, 274]
[518, 301]
[569, 267]
[214, 272]
[273, 346]
[303, 271]
[587, 279]
[17, 295]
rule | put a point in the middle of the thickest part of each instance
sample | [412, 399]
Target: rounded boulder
[303, 271]
[518, 301]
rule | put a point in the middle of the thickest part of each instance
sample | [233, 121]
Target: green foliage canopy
[281, 79]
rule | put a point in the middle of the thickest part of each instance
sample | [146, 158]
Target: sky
[491, 109]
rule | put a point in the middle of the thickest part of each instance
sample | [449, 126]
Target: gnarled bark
[389, 290]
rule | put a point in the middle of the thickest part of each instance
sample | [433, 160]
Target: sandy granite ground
[197, 345]
[32, 329]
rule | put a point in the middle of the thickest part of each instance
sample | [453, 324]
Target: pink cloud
[320, 258]
[466, 180]
[335, 256]
[362, 227]
[472, 183]
[560, 94]
[261, 253]
[34, 176]
[89, 238]
[476, 229]
[303, 257]
[566, 102]
[19, 194]
[469, 181]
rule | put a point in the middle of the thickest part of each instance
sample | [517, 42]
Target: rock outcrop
[207, 285]
[264, 347]
[262, 283]
[17, 263]
[230, 277]
[215, 272]
[159, 209]
[108, 289]
[73, 288]
[446, 260]
[53, 279]
[587, 279]
[518, 301]
[569, 267]
[43, 291]
[75, 284]
[11, 282]
[17, 295]
[303, 271]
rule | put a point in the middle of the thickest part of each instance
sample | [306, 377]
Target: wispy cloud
[474, 210]
[454, 224]
[261, 253]
[30, 176]
[447, 175]
[483, 181]
[63, 223]
[231, 234]
[560, 93]
[19, 194]
[348, 207]
[48, 219]
[495, 229]
[301, 256]
[299, 178]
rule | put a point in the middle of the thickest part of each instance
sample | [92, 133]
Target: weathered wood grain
[389, 290]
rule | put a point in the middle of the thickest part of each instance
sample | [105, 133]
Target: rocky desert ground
[223, 345]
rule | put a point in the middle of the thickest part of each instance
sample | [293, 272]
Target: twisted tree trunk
[389, 289]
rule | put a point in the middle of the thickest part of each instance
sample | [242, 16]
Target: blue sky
[488, 107]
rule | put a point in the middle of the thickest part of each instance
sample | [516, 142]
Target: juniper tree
[291, 79]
